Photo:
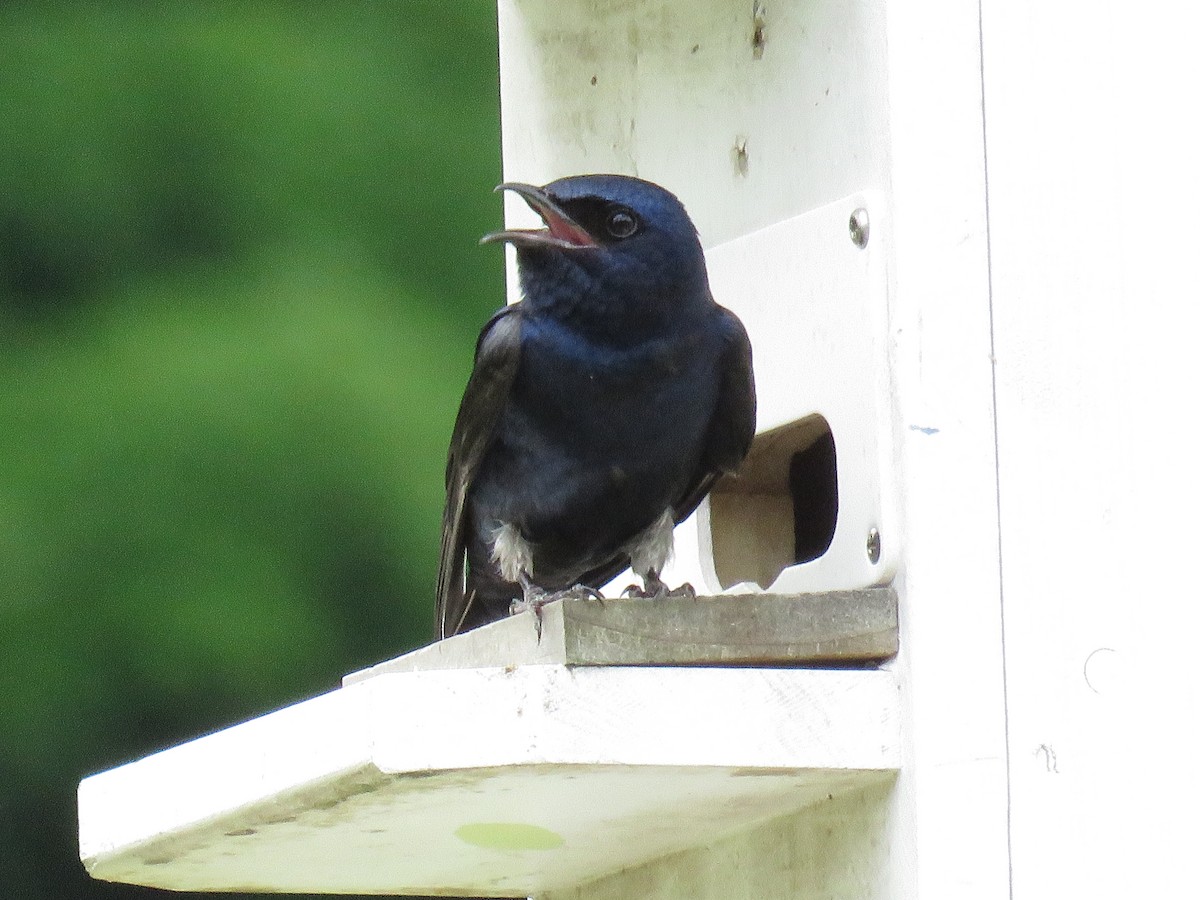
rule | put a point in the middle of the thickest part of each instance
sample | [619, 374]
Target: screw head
[873, 546]
[860, 227]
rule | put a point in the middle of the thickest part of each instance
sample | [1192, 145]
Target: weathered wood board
[832, 628]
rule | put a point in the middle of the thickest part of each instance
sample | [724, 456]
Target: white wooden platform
[495, 781]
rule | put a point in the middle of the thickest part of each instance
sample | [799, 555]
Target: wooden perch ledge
[833, 628]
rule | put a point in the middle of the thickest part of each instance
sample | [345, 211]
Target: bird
[601, 409]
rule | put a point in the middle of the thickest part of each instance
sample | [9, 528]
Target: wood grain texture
[835, 627]
[772, 629]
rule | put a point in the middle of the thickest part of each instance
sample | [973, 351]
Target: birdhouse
[942, 624]
[739, 111]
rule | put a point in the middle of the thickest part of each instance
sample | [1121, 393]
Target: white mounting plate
[494, 782]
[816, 307]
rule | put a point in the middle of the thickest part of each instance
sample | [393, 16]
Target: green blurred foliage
[239, 288]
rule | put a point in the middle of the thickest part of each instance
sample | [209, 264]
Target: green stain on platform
[508, 836]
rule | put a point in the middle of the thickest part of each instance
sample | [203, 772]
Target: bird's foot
[535, 599]
[580, 592]
[654, 588]
[532, 600]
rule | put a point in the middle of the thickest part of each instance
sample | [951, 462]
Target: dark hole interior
[812, 482]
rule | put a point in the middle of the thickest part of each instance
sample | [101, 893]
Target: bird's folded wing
[497, 356]
[732, 426]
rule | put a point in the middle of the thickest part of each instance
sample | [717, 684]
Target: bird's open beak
[561, 230]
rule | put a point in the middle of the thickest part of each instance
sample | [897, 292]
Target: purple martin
[601, 409]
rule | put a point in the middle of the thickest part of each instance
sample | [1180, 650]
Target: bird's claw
[656, 589]
[531, 604]
[535, 599]
[579, 592]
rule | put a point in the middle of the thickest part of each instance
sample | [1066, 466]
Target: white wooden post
[1093, 142]
[1005, 363]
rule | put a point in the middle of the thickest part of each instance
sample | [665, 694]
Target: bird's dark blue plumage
[602, 407]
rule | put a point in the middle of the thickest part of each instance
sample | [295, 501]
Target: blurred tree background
[239, 290]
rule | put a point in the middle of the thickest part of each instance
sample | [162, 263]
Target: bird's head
[611, 244]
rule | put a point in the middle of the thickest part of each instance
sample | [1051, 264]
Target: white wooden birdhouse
[962, 237]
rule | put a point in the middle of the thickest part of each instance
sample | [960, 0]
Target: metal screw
[860, 227]
[873, 547]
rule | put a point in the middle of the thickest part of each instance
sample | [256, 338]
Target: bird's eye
[621, 223]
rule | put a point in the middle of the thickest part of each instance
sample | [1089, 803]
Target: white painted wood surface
[835, 849]
[949, 830]
[1093, 143]
[488, 781]
[670, 91]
